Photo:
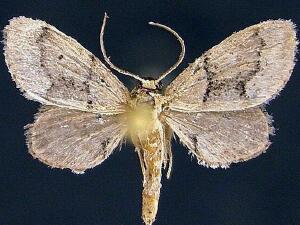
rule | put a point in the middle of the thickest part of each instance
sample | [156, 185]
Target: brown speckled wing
[54, 69]
[245, 70]
[218, 139]
[68, 138]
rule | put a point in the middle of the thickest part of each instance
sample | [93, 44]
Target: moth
[215, 106]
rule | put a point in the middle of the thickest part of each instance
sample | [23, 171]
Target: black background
[262, 191]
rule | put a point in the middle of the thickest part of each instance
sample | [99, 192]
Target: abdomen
[149, 146]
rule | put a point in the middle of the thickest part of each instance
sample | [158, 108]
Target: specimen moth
[215, 106]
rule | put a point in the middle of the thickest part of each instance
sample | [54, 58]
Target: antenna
[181, 56]
[146, 83]
[106, 58]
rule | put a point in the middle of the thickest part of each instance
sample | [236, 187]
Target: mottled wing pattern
[55, 69]
[245, 70]
[67, 138]
[218, 139]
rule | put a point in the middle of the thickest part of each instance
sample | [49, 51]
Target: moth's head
[150, 84]
[146, 87]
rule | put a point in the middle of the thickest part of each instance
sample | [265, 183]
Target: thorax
[143, 117]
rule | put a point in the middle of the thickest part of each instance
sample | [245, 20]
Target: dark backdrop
[262, 191]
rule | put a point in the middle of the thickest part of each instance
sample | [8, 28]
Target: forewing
[67, 138]
[218, 139]
[55, 69]
[245, 70]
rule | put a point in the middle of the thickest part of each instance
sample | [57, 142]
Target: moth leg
[142, 163]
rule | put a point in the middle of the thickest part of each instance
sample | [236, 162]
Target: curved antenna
[147, 83]
[181, 56]
[106, 58]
